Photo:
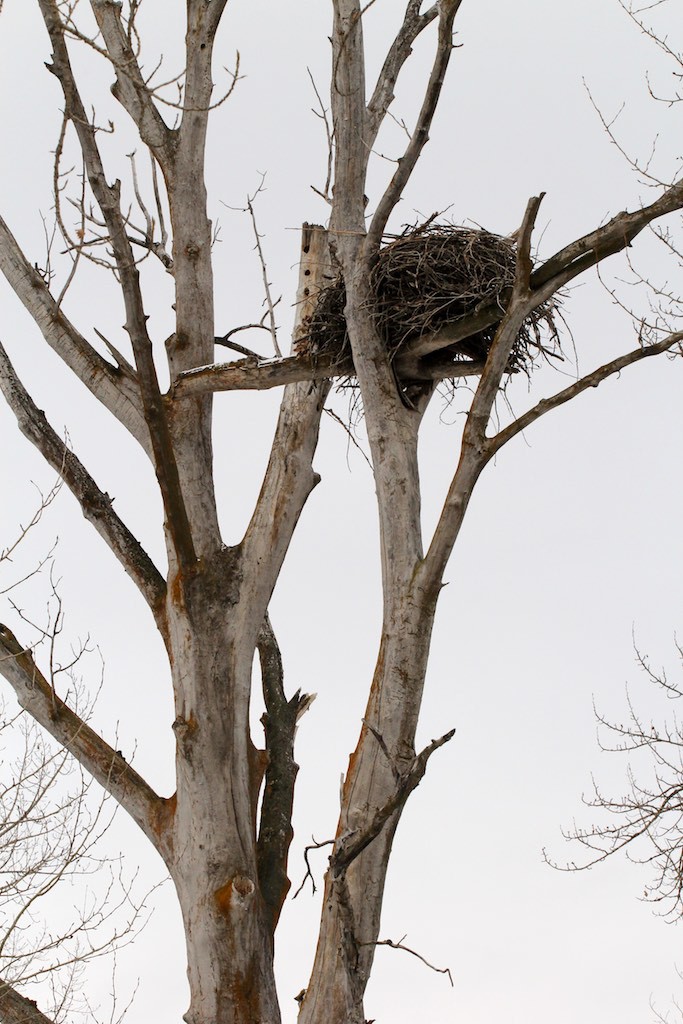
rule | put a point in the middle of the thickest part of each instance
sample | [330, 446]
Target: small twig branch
[147, 241]
[160, 209]
[324, 193]
[407, 949]
[349, 433]
[44, 502]
[385, 750]
[270, 305]
[309, 873]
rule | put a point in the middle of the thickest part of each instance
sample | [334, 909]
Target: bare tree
[225, 832]
[645, 821]
[51, 825]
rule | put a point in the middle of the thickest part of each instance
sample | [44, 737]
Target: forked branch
[400, 50]
[447, 11]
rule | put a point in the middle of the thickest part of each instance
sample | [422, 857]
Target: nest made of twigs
[429, 277]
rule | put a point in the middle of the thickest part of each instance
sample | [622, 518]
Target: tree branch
[17, 1009]
[109, 385]
[400, 945]
[350, 846]
[108, 199]
[131, 90]
[612, 237]
[447, 11]
[591, 380]
[95, 504]
[279, 722]
[474, 452]
[252, 374]
[399, 52]
[580, 255]
[106, 765]
[255, 374]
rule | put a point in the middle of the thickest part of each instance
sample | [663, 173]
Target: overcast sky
[572, 544]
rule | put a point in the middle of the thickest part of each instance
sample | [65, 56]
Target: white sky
[572, 541]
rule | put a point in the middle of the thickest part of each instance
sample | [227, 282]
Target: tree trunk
[212, 856]
[384, 755]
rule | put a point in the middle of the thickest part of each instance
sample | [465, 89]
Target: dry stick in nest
[430, 277]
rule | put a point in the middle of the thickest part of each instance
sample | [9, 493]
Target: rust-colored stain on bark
[176, 590]
[235, 892]
[163, 819]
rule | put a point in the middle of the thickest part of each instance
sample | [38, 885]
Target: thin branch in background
[323, 113]
[44, 502]
[647, 821]
[349, 433]
[269, 315]
[642, 169]
[264, 270]
[407, 949]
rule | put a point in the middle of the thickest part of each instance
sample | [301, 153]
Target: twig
[325, 192]
[309, 874]
[333, 415]
[264, 270]
[407, 949]
[226, 343]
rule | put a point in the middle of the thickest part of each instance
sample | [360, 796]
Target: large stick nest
[429, 277]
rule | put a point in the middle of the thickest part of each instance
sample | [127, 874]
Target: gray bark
[228, 865]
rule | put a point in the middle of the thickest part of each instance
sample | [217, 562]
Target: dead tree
[225, 848]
